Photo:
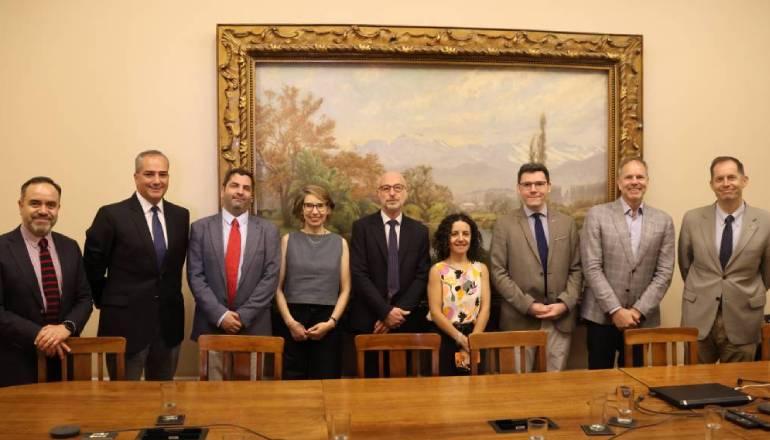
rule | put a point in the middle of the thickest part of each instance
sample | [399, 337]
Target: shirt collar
[721, 215]
[386, 219]
[147, 206]
[529, 212]
[33, 239]
[627, 207]
[228, 218]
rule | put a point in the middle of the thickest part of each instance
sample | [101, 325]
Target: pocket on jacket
[689, 295]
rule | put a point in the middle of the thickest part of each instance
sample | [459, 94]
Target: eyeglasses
[321, 207]
[397, 188]
[540, 184]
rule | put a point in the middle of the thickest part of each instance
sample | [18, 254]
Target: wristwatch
[70, 326]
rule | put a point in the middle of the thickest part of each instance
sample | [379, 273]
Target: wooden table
[421, 408]
[286, 410]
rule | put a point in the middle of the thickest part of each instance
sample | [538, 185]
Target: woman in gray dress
[313, 290]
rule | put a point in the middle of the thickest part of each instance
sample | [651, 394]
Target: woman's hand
[320, 330]
[298, 332]
[462, 342]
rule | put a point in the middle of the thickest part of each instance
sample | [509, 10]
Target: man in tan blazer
[522, 241]
[724, 257]
[627, 250]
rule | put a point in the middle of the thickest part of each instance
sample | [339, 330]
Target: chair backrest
[80, 358]
[656, 343]
[236, 355]
[501, 351]
[765, 342]
[397, 345]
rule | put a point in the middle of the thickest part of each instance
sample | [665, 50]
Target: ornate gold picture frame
[243, 50]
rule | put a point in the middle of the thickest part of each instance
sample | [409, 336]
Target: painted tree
[287, 123]
[428, 201]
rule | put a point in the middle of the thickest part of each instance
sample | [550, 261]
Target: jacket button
[628, 290]
[724, 277]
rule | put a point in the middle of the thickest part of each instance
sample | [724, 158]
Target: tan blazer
[517, 274]
[614, 276]
[743, 284]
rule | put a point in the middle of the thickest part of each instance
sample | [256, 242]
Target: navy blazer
[137, 300]
[21, 303]
[369, 271]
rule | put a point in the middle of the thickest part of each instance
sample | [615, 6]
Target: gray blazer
[517, 274]
[613, 276]
[256, 287]
[742, 285]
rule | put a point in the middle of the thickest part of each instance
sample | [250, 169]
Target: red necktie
[232, 260]
[50, 283]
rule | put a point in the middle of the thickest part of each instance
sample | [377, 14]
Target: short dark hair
[533, 167]
[241, 172]
[315, 190]
[720, 159]
[140, 157]
[39, 179]
[444, 230]
[628, 159]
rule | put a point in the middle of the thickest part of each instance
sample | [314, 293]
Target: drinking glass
[625, 402]
[339, 426]
[712, 416]
[168, 404]
[537, 428]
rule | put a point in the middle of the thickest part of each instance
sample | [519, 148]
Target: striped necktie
[50, 283]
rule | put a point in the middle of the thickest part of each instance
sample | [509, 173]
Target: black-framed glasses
[540, 184]
[397, 188]
[321, 207]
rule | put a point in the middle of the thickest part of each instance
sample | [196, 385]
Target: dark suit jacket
[137, 301]
[256, 287]
[21, 303]
[369, 271]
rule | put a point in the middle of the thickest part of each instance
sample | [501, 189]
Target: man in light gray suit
[724, 258]
[232, 264]
[627, 251]
[535, 262]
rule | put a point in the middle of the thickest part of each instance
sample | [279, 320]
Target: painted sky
[458, 106]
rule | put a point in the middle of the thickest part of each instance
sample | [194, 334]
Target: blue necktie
[542, 249]
[392, 259]
[158, 240]
[726, 248]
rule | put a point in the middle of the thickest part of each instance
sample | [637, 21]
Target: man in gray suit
[232, 264]
[627, 251]
[536, 267]
[724, 258]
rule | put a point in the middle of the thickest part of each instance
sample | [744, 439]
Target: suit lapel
[214, 231]
[377, 230]
[67, 264]
[708, 234]
[252, 245]
[523, 222]
[619, 219]
[142, 230]
[748, 229]
[405, 237]
[19, 251]
[648, 223]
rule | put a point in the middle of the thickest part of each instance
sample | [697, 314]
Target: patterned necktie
[542, 250]
[50, 283]
[158, 240]
[393, 283]
[233, 260]
[726, 248]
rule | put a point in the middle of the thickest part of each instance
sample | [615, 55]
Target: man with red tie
[232, 264]
[44, 294]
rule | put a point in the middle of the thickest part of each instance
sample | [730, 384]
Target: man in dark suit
[389, 263]
[233, 299]
[44, 295]
[133, 256]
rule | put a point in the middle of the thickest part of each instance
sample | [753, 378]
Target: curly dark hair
[441, 237]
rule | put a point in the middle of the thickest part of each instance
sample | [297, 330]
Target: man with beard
[44, 294]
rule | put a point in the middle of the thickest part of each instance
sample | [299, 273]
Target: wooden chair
[397, 345]
[236, 355]
[501, 349]
[765, 342]
[80, 358]
[655, 343]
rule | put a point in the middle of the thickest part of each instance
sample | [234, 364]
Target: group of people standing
[613, 274]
